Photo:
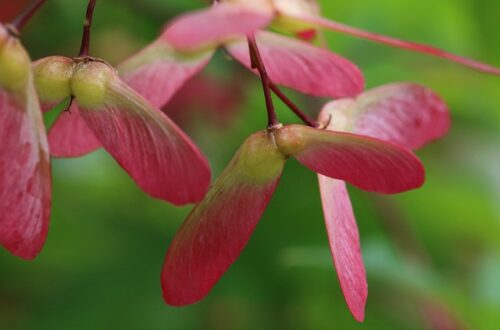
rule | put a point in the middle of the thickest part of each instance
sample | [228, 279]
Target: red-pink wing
[217, 230]
[160, 158]
[365, 162]
[412, 46]
[344, 244]
[406, 114]
[70, 136]
[212, 26]
[302, 66]
[158, 71]
[25, 178]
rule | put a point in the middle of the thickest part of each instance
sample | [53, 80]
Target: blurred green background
[432, 255]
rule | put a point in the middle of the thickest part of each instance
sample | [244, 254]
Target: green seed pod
[53, 78]
[90, 83]
[15, 64]
[290, 139]
[288, 9]
[258, 159]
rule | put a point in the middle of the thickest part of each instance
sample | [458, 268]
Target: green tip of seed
[15, 64]
[90, 83]
[52, 77]
[258, 159]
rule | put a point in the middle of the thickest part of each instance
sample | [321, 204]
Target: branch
[85, 47]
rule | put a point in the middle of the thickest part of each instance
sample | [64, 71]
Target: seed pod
[258, 159]
[52, 78]
[89, 83]
[287, 10]
[219, 227]
[15, 64]
[25, 188]
[143, 140]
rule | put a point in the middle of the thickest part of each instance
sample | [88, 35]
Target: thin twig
[85, 48]
[258, 64]
[289, 103]
[21, 20]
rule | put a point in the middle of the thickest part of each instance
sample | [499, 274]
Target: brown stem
[303, 116]
[258, 64]
[21, 20]
[85, 48]
[68, 106]
[289, 103]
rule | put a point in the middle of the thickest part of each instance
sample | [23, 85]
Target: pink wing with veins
[407, 114]
[215, 25]
[70, 136]
[344, 244]
[159, 71]
[25, 175]
[217, 230]
[403, 113]
[156, 153]
[365, 162]
[301, 66]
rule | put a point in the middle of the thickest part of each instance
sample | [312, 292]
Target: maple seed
[52, 78]
[89, 83]
[58, 77]
[24, 161]
[262, 161]
[290, 141]
[14, 64]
